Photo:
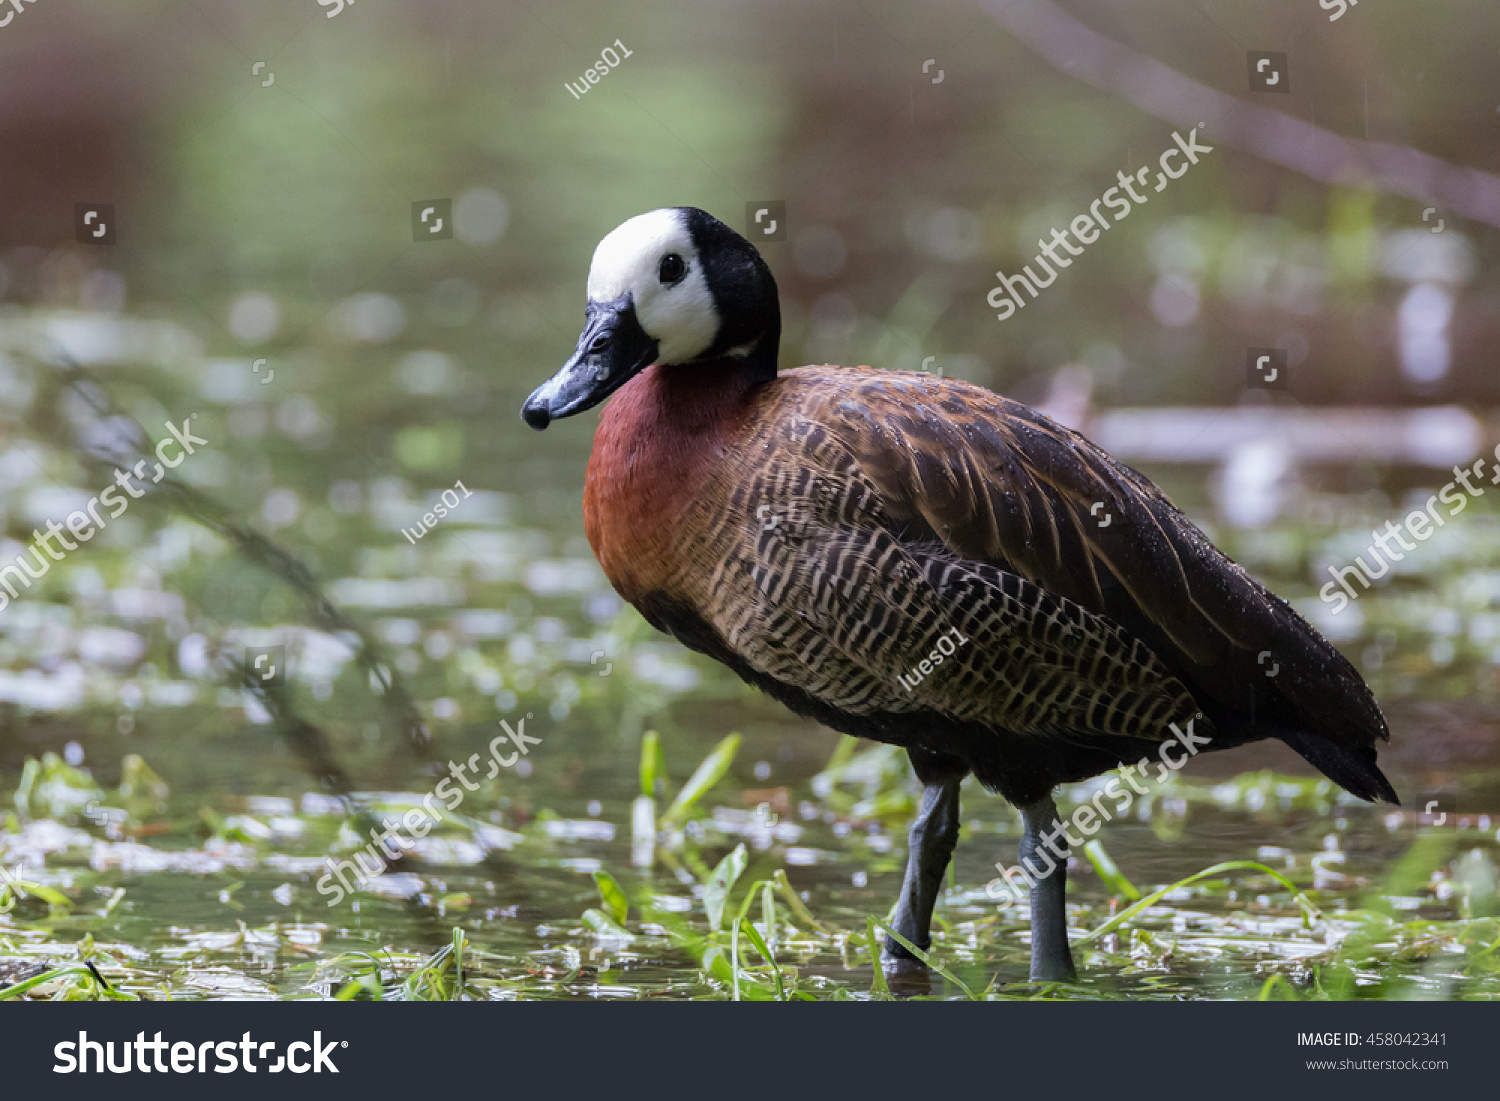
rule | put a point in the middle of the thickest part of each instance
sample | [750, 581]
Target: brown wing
[998, 483]
[871, 625]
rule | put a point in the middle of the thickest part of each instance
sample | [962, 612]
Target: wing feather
[996, 483]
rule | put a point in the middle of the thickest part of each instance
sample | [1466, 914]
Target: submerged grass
[710, 906]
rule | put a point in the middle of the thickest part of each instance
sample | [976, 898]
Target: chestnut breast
[660, 442]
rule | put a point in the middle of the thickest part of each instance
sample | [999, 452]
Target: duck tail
[1353, 768]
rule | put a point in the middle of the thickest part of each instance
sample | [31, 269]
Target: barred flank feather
[823, 532]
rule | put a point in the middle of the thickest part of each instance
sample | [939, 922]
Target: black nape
[744, 293]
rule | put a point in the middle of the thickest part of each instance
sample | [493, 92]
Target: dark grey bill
[612, 349]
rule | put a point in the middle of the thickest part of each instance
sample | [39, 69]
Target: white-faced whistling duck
[919, 561]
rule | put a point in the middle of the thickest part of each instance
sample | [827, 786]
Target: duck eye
[672, 268]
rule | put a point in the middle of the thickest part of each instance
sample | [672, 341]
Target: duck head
[675, 286]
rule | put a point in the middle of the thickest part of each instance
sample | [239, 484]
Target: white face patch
[680, 317]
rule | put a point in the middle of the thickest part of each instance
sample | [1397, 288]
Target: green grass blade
[1308, 909]
[613, 896]
[79, 969]
[709, 773]
[927, 959]
[1274, 983]
[1109, 871]
[750, 896]
[796, 905]
[842, 754]
[653, 764]
[760, 946]
[734, 954]
[881, 984]
[721, 882]
[458, 963]
[603, 925]
[643, 831]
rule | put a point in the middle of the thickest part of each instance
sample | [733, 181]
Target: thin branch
[1320, 154]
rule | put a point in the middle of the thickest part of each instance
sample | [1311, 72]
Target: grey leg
[934, 834]
[1051, 959]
